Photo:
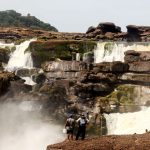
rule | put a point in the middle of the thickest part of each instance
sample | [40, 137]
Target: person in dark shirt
[70, 124]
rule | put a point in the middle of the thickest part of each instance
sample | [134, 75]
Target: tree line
[11, 18]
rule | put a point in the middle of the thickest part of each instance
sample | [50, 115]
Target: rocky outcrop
[138, 61]
[58, 50]
[5, 79]
[4, 55]
[106, 31]
[109, 31]
[138, 33]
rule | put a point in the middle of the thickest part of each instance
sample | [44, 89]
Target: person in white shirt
[82, 123]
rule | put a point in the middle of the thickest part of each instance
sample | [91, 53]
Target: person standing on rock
[70, 125]
[82, 123]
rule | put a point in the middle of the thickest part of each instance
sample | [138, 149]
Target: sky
[78, 15]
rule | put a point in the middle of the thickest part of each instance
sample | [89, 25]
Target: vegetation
[11, 18]
[64, 50]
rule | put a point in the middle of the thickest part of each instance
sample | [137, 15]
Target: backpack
[82, 122]
[70, 123]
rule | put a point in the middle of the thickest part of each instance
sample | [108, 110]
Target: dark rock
[39, 78]
[5, 79]
[109, 27]
[102, 77]
[132, 29]
[136, 33]
[90, 29]
[4, 55]
[131, 58]
[132, 52]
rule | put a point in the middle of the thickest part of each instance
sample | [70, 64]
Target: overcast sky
[78, 15]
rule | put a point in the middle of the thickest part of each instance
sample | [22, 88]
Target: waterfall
[6, 45]
[78, 57]
[19, 58]
[114, 51]
[128, 123]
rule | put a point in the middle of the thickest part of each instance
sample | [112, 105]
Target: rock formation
[70, 81]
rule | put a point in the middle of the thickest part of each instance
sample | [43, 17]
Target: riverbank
[112, 142]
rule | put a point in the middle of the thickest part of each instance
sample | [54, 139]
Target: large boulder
[5, 79]
[90, 29]
[133, 29]
[39, 78]
[138, 33]
[109, 27]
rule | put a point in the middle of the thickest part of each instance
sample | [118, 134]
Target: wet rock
[102, 77]
[5, 79]
[24, 72]
[39, 78]
[90, 89]
[4, 55]
[66, 66]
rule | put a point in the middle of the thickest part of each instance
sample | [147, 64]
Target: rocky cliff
[70, 80]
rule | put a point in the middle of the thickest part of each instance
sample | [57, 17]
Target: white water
[28, 80]
[113, 51]
[19, 58]
[78, 57]
[129, 123]
[22, 128]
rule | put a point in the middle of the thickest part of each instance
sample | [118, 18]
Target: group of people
[82, 122]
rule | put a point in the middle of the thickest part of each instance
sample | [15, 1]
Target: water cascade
[128, 123]
[114, 51]
[78, 57]
[19, 58]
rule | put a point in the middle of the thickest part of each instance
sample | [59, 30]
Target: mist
[23, 127]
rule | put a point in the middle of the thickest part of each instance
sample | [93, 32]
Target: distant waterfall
[114, 51]
[19, 58]
[128, 123]
[6, 45]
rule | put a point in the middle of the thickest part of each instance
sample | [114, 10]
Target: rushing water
[114, 51]
[19, 58]
[129, 123]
